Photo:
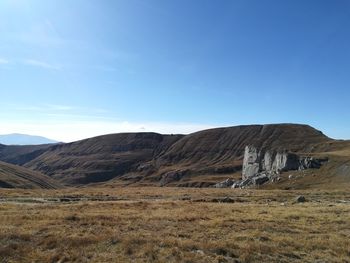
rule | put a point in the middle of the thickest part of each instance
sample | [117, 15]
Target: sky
[75, 69]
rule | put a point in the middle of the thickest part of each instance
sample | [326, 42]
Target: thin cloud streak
[43, 108]
[60, 107]
[4, 61]
[41, 64]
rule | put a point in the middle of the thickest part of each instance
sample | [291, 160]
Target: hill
[24, 139]
[12, 176]
[101, 158]
[223, 146]
[199, 159]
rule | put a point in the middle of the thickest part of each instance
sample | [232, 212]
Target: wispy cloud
[44, 108]
[30, 62]
[60, 107]
[41, 64]
[5, 64]
[27, 108]
[4, 61]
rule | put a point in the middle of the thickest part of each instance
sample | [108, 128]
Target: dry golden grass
[173, 225]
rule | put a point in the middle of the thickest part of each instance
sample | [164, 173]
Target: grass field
[173, 225]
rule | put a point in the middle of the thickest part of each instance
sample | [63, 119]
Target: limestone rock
[272, 163]
[251, 162]
[260, 179]
[225, 184]
[235, 185]
[261, 166]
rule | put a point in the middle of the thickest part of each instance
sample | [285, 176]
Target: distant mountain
[24, 139]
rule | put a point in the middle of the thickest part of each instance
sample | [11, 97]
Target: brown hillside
[216, 154]
[21, 154]
[12, 176]
[225, 145]
[100, 158]
[198, 159]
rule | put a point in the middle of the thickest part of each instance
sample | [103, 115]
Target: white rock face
[261, 166]
[256, 161]
[268, 161]
[251, 162]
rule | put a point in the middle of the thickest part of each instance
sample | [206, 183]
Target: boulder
[310, 162]
[246, 182]
[260, 179]
[225, 184]
[300, 199]
[236, 185]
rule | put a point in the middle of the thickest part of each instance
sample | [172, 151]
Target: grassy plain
[153, 224]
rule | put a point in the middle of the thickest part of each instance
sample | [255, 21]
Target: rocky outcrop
[261, 166]
[271, 162]
[260, 179]
[256, 161]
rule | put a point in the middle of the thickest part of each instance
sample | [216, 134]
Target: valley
[147, 197]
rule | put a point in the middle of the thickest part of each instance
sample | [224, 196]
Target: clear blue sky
[73, 69]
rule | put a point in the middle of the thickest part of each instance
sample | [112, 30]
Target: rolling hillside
[198, 159]
[223, 146]
[101, 158]
[21, 154]
[12, 176]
